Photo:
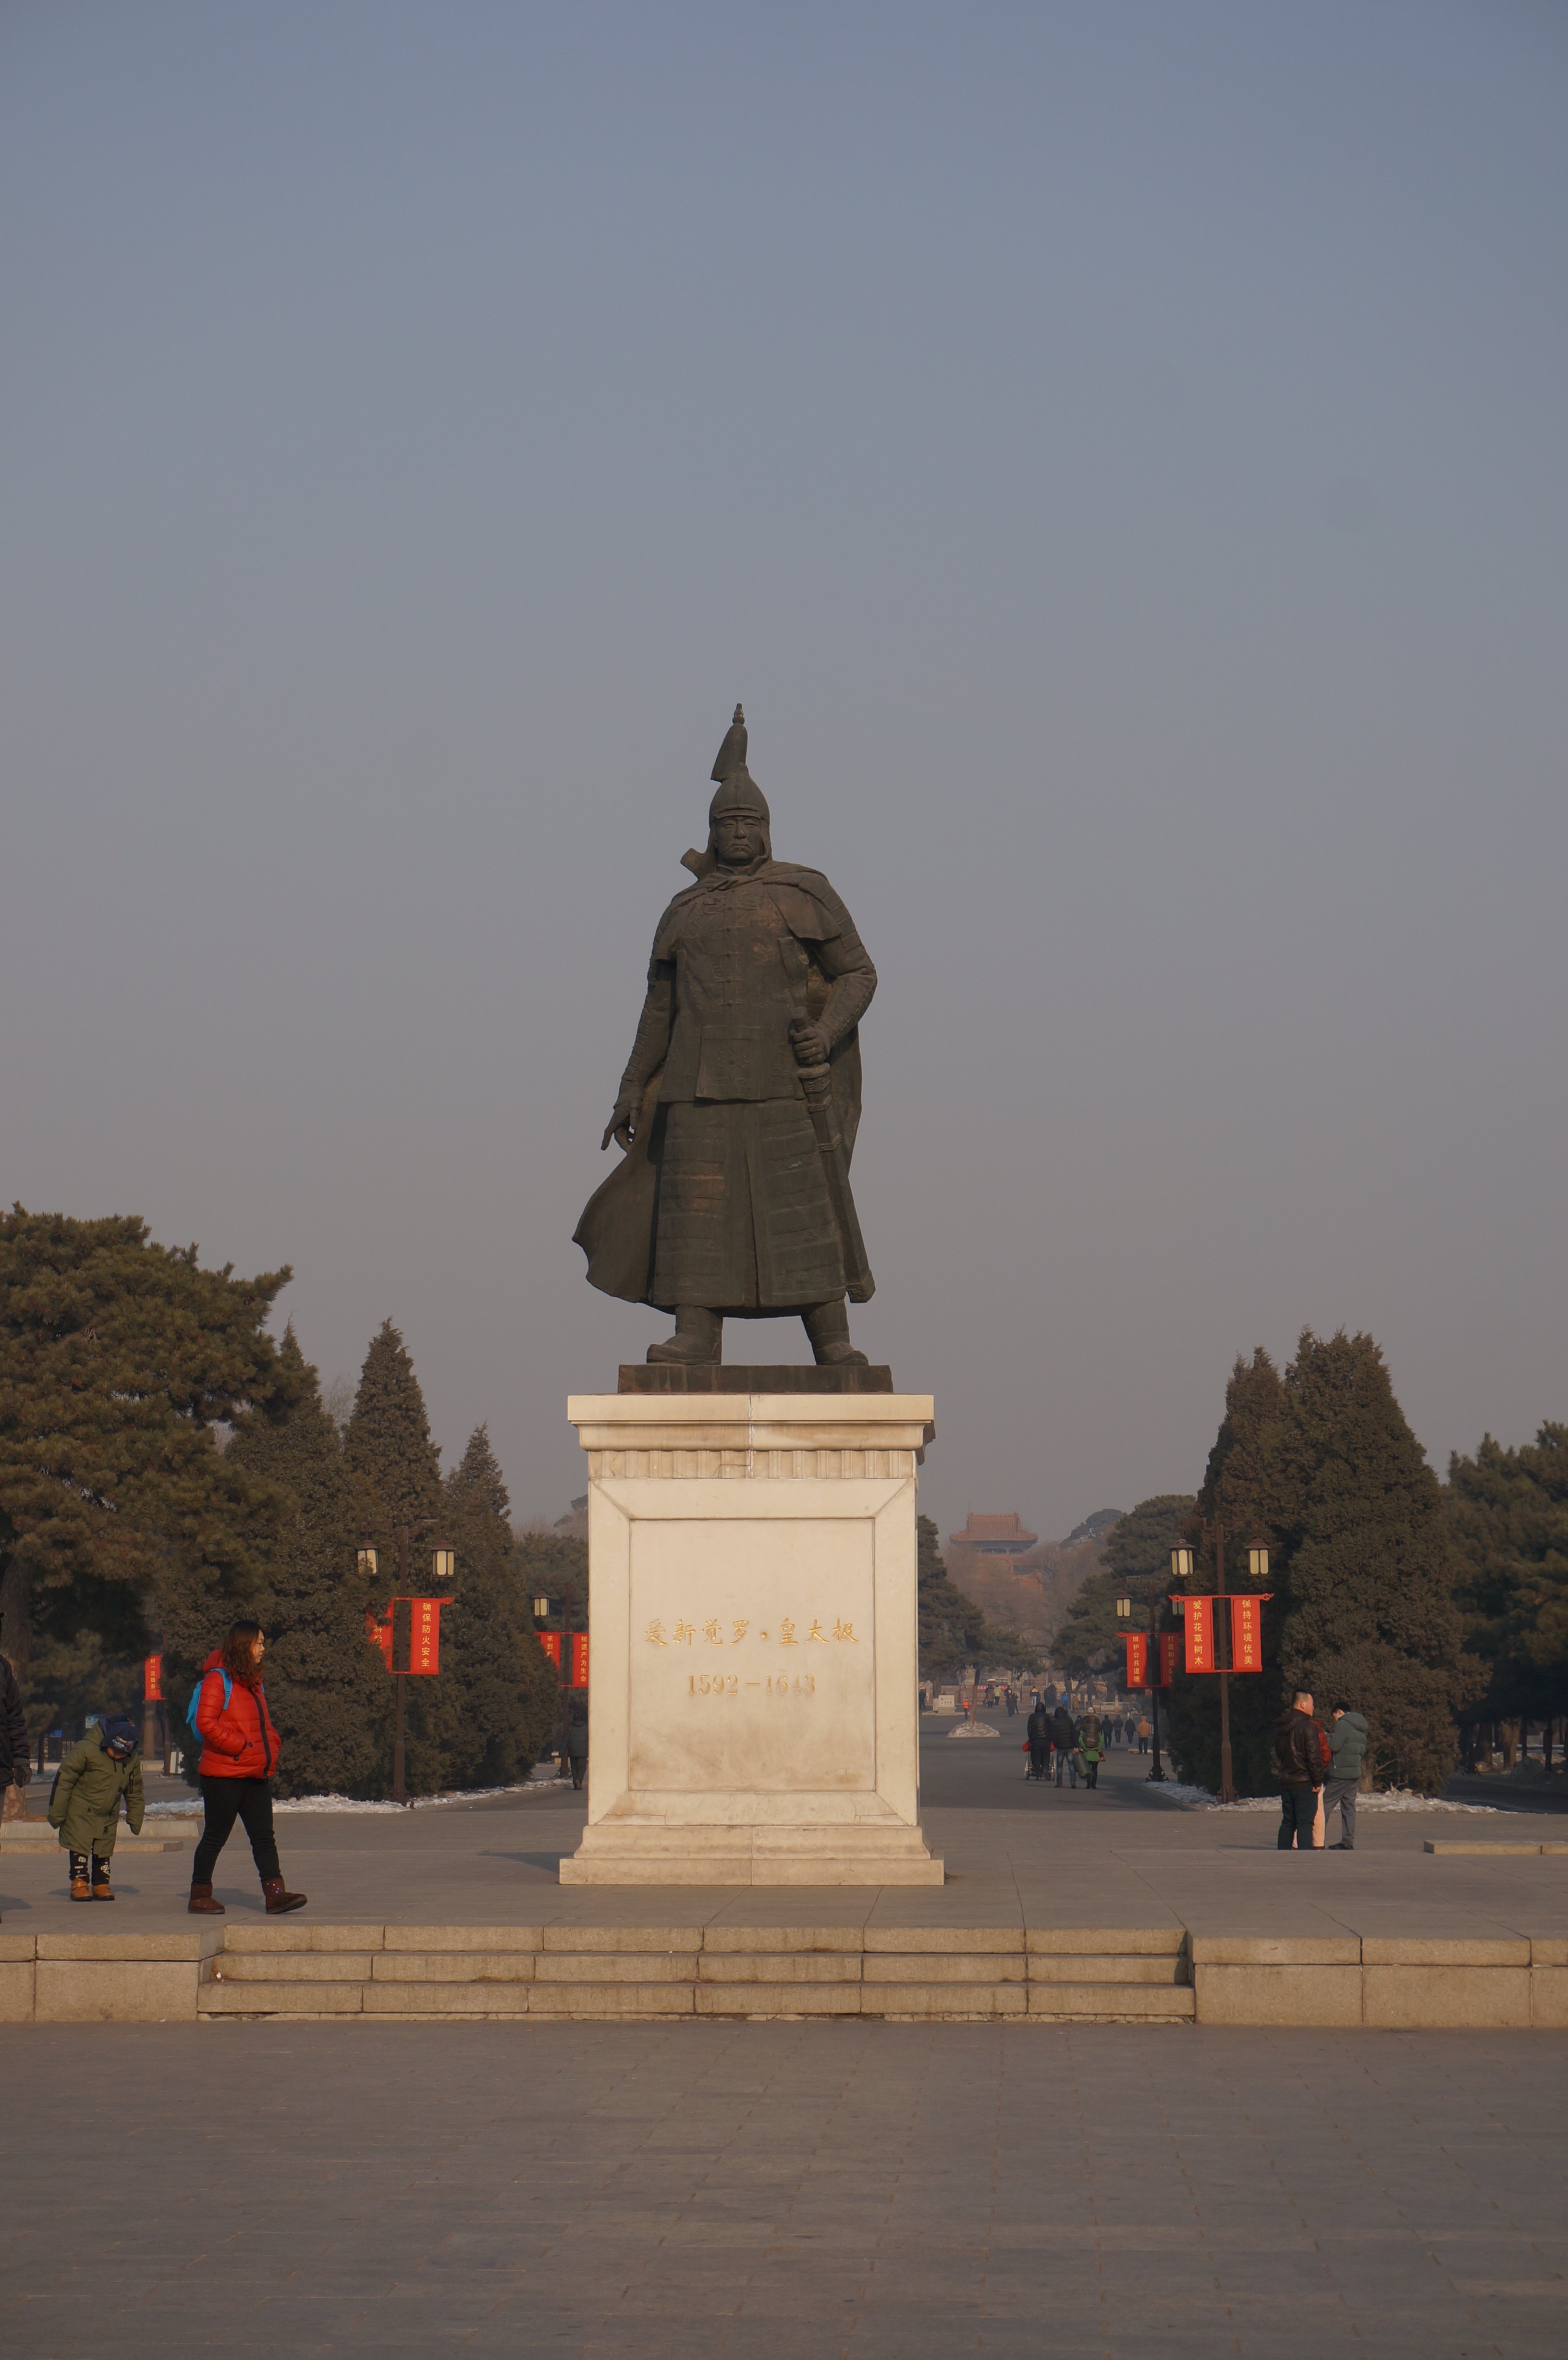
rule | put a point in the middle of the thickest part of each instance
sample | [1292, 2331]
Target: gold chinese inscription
[711, 1633]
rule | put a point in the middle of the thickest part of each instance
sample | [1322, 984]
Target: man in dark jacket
[577, 1741]
[1346, 1735]
[1301, 1759]
[13, 1731]
[1038, 1729]
[1064, 1737]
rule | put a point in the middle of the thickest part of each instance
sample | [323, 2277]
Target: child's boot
[80, 1888]
[102, 1889]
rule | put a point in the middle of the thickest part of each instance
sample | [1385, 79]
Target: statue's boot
[827, 1325]
[699, 1335]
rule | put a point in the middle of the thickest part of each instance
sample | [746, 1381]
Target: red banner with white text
[152, 1679]
[579, 1659]
[424, 1634]
[1198, 1623]
[550, 1642]
[379, 1634]
[1169, 1642]
[1247, 1633]
[1136, 1645]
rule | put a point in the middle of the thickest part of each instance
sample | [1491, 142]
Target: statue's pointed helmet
[736, 788]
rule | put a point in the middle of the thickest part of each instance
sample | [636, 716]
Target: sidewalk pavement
[1017, 1854]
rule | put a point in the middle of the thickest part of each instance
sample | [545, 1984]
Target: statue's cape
[617, 1230]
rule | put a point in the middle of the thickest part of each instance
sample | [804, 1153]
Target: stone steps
[948, 1972]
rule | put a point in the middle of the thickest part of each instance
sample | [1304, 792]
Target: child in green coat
[94, 1777]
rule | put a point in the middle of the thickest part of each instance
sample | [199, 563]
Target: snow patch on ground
[979, 1729]
[192, 1809]
[1198, 1798]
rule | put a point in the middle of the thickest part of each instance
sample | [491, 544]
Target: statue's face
[738, 839]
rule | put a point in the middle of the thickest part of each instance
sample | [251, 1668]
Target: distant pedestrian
[240, 1749]
[1301, 1760]
[577, 1741]
[1347, 1746]
[14, 1763]
[1091, 1750]
[94, 1778]
[1144, 1732]
[1064, 1738]
[1038, 1730]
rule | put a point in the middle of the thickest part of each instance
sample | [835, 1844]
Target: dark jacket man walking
[1038, 1729]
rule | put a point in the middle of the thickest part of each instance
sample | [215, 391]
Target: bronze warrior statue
[741, 1098]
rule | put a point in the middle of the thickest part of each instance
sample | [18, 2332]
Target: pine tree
[498, 1699]
[951, 1627]
[1509, 1515]
[327, 1689]
[1251, 1488]
[1137, 1551]
[387, 1447]
[394, 1468]
[1371, 1620]
[118, 1359]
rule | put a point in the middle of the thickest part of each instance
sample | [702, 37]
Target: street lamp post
[445, 1563]
[543, 1608]
[1123, 1614]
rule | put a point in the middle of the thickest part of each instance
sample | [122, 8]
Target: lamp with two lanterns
[1181, 1558]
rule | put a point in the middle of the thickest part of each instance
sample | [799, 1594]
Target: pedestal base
[752, 1713]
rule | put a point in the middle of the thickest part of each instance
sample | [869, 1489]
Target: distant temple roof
[995, 1535]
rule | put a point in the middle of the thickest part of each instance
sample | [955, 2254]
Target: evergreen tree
[327, 1687]
[1509, 1516]
[498, 1689]
[1137, 1551]
[1371, 1620]
[118, 1359]
[1251, 1488]
[387, 1448]
[395, 1473]
[1324, 1468]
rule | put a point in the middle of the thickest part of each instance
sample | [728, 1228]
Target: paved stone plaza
[278, 2192]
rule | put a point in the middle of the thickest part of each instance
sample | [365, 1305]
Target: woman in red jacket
[239, 1755]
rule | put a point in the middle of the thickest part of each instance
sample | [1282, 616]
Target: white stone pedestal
[753, 1706]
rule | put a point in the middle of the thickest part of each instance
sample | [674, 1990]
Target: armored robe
[723, 1200]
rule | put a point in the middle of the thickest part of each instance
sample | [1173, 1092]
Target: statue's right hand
[622, 1125]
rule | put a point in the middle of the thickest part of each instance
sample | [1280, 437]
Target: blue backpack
[196, 1699]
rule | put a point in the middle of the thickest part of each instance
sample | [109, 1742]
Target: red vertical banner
[424, 1634]
[379, 1634]
[550, 1642]
[579, 1659]
[1247, 1633]
[1169, 1642]
[152, 1679]
[1199, 1625]
[1136, 1645]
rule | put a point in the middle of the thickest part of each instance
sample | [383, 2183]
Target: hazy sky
[1116, 452]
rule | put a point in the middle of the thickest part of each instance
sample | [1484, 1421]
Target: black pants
[1090, 1774]
[226, 1800]
[100, 1866]
[1040, 1756]
[1298, 1815]
[579, 1767]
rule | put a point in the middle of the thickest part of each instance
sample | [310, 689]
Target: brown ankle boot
[79, 1889]
[202, 1904]
[102, 1890]
[278, 1899]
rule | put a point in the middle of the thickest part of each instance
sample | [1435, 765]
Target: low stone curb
[989, 1974]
